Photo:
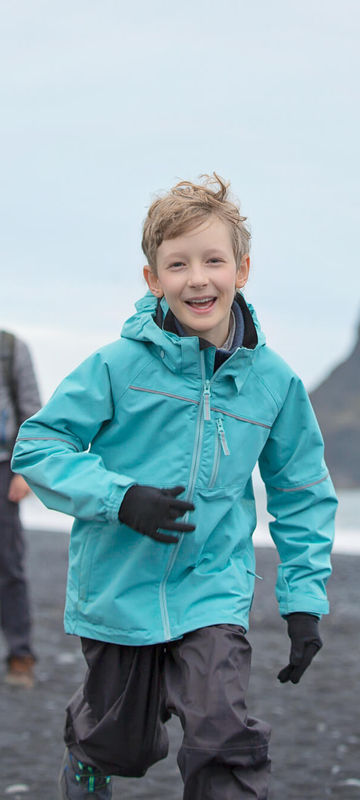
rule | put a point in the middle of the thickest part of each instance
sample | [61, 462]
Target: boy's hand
[305, 643]
[146, 508]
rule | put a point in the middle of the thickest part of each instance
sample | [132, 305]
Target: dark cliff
[337, 406]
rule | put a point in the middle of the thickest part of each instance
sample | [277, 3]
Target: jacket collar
[165, 318]
[153, 323]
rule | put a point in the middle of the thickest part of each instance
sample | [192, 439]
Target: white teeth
[199, 302]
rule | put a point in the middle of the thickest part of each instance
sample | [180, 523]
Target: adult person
[19, 399]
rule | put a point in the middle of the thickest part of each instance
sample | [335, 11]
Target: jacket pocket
[86, 562]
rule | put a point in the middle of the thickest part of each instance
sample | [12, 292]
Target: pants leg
[224, 751]
[14, 601]
[115, 721]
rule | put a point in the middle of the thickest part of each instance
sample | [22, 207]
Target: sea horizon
[35, 516]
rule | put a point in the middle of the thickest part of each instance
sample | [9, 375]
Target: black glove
[305, 642]
[146, 508]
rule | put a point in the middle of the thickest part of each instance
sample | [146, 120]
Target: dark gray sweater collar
[245, 331]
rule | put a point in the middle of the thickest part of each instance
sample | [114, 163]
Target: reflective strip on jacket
[148, 409]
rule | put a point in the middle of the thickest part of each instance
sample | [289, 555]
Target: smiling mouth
[201, 305]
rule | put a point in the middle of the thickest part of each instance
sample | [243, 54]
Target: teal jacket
[149, 409]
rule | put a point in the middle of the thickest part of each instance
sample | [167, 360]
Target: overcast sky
[105, 103]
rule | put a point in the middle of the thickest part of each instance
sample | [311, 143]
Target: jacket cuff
[115, 500]
[308, 605]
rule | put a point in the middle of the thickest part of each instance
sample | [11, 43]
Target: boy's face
[199, 266]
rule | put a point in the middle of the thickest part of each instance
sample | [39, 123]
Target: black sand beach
[316, 725]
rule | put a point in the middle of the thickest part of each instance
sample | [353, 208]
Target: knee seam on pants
[250, 748]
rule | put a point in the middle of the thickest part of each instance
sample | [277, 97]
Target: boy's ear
[152, 281]
[243, 272]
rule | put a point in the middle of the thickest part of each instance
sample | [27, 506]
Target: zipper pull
[207, 412]
[222, 436]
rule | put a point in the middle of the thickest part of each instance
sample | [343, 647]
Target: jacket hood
[182, 352]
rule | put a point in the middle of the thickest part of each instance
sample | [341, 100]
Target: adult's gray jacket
[25, 388]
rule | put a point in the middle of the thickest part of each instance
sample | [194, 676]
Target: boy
[161, 579]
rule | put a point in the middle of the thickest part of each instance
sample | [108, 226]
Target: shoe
[79, 781]
[20, 671]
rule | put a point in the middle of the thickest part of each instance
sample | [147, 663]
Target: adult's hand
[305, 643]
[18, 489]
[147, 508]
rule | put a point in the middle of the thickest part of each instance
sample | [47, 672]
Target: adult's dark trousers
[14, 600]
[116, 720]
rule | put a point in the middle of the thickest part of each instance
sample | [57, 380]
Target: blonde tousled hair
[185, 207]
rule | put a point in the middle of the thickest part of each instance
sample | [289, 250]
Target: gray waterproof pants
[116, 720]
[14, 600]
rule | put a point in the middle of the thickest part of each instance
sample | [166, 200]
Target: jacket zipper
[202, 411]
[220, 444]
[207, 399]
[222, 437]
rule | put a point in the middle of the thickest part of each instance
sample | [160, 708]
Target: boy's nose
[197, 277]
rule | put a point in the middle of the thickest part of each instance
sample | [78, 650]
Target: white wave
[35, 516]
[347, 540]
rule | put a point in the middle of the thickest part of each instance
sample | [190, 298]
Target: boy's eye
[214, 260]
[177, 264]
